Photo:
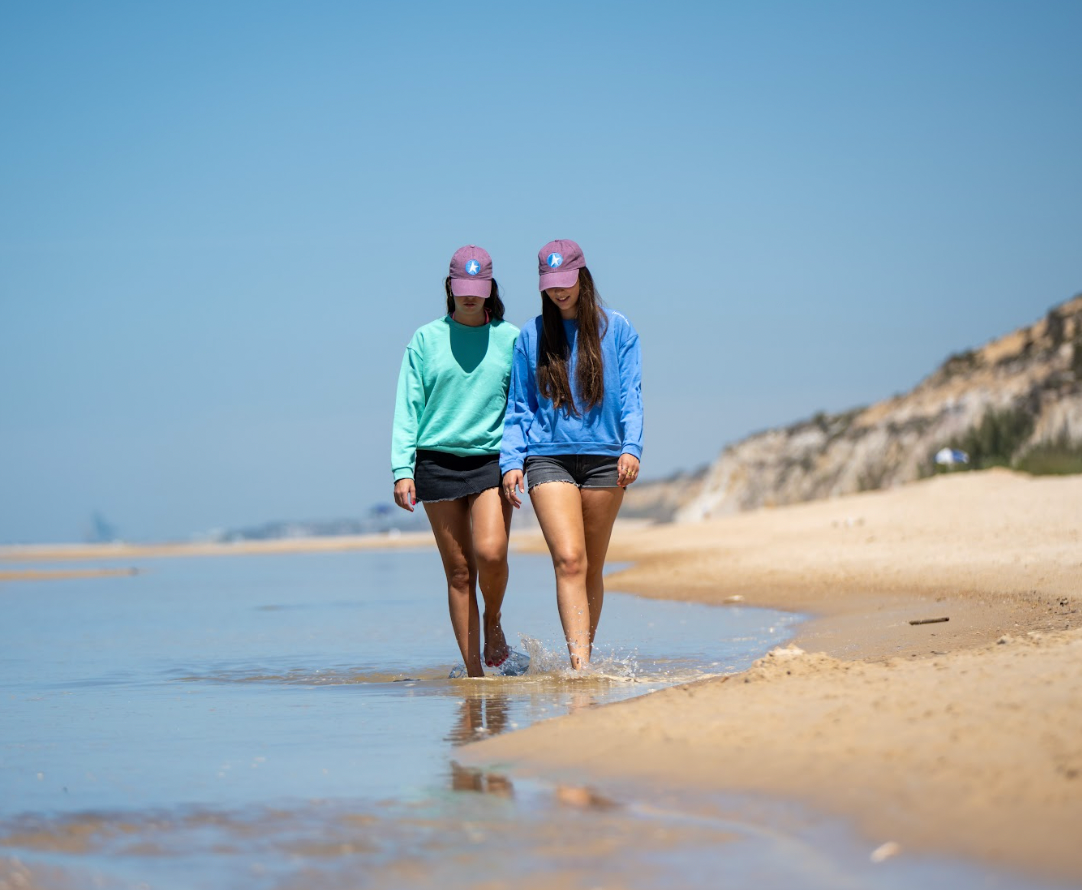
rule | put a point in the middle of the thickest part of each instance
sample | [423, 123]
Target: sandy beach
[961, 737]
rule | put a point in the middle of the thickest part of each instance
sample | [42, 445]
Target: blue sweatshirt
[533, 426]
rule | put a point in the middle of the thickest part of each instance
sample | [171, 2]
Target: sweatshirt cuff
[403, 473]
[634, 450]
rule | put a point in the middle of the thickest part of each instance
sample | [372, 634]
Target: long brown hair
[554, 352]
[493, 303]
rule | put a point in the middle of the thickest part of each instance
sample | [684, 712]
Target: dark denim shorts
[583, 470]
[439, 476]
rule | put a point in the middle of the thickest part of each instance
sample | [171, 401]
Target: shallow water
[287, 721]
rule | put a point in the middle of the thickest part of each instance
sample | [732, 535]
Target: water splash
[612, 666]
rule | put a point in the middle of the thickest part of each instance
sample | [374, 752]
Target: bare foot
[496, 648]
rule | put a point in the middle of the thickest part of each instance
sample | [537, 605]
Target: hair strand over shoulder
[554, 352]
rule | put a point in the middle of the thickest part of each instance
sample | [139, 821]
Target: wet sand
[959, 737]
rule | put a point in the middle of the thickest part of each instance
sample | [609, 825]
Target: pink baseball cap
[558, 264]
[471, 272]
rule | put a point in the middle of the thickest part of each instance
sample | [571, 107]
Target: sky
[220, 223]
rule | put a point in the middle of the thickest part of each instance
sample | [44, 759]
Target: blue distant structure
[99, 530]
[380, 519]
[951, 457]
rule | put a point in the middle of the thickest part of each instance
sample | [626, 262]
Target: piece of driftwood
[929, 620]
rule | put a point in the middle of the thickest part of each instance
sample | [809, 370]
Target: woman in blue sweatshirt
[574, 416]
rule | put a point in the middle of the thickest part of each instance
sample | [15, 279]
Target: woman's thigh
[558, 506]
[599, 509]
[491, 518]
[450, 521]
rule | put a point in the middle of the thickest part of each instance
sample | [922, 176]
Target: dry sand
[959, 737]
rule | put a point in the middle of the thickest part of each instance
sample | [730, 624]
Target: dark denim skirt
[439, 476]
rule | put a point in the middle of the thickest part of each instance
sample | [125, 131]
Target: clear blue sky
[220, 223]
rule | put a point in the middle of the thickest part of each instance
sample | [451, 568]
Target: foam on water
[613, 667]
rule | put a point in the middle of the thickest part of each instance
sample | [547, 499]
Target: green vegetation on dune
[1058, 457]
[998, 440]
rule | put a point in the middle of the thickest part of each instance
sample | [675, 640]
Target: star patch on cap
[473, 267]
[555, 260]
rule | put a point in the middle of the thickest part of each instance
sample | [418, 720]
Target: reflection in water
[581, 700]
[464, 778]
[582, 798]
[484, 712]
[481, 713]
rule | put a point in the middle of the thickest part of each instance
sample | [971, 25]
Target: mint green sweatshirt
[452, 391]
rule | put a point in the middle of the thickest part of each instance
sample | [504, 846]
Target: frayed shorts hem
[580, 470]
[459, 498]
[534, 485]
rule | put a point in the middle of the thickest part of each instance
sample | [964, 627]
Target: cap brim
[471, 287]
[560, 278]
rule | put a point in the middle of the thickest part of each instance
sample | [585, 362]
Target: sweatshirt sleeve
[521, 408]
[409, 405]
[631, 391]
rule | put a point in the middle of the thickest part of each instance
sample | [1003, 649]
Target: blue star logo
[473, 267]
[555, 260]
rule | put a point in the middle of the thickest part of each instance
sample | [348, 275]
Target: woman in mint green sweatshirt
[445, 448]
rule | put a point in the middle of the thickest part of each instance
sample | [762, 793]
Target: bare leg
[558, 506]
[491, 520]
[599, 509]
[450, 522]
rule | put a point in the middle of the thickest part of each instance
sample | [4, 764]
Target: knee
[569, 563]
[491, 558]
[460, 577]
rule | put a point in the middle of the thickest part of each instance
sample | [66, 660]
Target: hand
[405, 495]
[628, 469]
[512, 485]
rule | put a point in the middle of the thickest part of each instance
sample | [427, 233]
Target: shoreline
[62, 574]
[960, 737]
[32, 553]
